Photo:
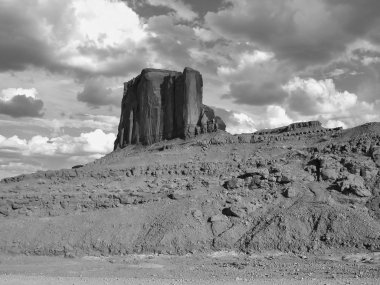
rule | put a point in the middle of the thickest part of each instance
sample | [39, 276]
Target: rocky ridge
[307, 189]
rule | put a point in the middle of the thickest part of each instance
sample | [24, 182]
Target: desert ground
[214, 268]
[280, 207]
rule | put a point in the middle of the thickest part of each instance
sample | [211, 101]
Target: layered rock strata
[162, 104]
[311, 126]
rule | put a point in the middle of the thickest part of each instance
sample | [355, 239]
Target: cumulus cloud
[19, 102]
[334, 124]
[310, 97]
[236, 122]
[82, 36]
[96, 94]
[9, 93]
[246, 59]
[40, 152]
[276, 116]
[94, 142]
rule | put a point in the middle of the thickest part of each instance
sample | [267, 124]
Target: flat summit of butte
[177, 183]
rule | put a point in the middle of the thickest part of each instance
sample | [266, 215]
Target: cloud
[364, 52]
[310, 97]
[10, 169]
[23, 37]
[256, 94]
[236, 122]
[105, 123]
[276, 116]
[40, 153]
[337, 72]
[246, 60]
[94, 142]
[256, 77]
[75, 160]
[95, 94]
[301, 32]
[84, 37]
[244, 124]
[19, 102]
[182, 11]
[9, 93]
[205, 34]
[334, 124]
[72, 126]
[169, 43]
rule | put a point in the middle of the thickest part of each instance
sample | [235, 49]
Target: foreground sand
[43, 280]
[215, 268]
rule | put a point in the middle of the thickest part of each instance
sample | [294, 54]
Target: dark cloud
[95, 94]
[252, 94]
[175, 45]
[22, 106]
[21, 41]
[144, 9]
[257, 79]
[303, 32]
[172, 42]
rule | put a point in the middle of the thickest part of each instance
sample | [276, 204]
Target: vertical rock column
[155, 103]
[167, 107]
[127, 123]
[192, 100]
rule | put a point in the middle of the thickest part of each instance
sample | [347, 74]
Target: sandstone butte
[162, 105]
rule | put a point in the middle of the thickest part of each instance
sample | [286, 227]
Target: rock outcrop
[302, 127]
[162, 104]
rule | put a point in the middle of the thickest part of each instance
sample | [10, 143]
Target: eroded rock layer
[162, 104]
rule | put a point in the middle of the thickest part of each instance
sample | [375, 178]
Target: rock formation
[162, 104]
[311, 126]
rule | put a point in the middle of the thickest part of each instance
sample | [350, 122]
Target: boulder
[285, 178]
[219, 224]
[4, 210]
[376, 155]
[291, 192]
[233, 183]
[162, 104]
[234, 211]
[354, 184]
[329, 174]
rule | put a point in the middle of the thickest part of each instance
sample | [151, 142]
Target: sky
[265, 63]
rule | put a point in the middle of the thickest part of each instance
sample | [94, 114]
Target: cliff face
[163, 104]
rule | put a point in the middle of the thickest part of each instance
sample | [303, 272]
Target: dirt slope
[308, 190]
